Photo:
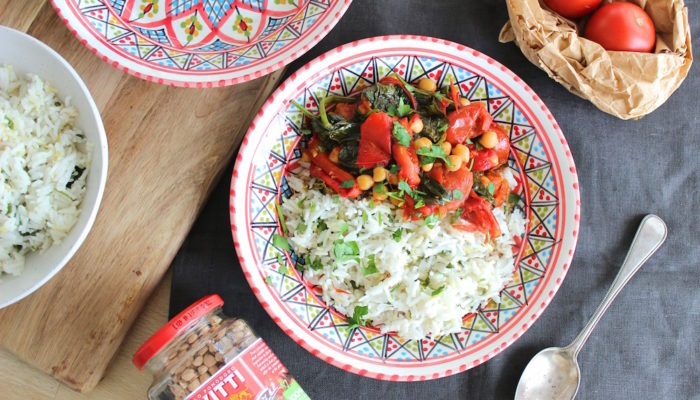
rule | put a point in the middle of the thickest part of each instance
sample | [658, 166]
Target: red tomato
[478, 212]
[572, 8]
[375, 141]
[461, 180]
[622, 27]
[484, 160]
[407, 159]
[467, 122]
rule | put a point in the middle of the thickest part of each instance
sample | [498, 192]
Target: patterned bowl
[540, 159]
[196, 43]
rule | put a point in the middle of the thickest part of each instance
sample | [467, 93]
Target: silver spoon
[553, 373]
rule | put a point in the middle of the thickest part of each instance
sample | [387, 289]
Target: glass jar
[202, 354]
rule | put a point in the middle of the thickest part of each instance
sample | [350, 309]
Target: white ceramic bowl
[28, 55]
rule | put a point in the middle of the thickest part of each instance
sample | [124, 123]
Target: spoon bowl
[553, 373]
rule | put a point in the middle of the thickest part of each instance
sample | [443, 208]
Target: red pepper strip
[330, 173]
[321, 159]
[317, 172]
[454, 94]
[375, 141]
[407, 159]
[390, 80]
[478, 212]
[370, 155]
[466, 228]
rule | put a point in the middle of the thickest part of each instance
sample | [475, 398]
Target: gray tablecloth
[647, 345]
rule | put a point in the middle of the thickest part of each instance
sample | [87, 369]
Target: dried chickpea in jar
[201, 353]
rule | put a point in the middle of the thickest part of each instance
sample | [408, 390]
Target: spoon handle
[649, 237]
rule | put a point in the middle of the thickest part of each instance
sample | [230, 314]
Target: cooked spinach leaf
[434, 127]
[435, 193]
[385, 97]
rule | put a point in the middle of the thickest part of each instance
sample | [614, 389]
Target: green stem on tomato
[331, 99]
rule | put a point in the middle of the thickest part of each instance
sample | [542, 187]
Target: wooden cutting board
[167, 148]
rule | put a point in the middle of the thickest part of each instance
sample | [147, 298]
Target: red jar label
[255, 374]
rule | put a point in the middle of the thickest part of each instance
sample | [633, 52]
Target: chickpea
[379, 174]
[377, 197]
[464, 102]
[427, 84]
[427, 167]
[365, 182]
[333, 156]
[447, 147]
[456, 162]
[417, 125]
[422, 142]
[489, 139]
[461, 151]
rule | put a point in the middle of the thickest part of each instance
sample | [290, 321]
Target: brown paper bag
[624, 84]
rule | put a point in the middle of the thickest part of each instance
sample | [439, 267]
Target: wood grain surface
[167, 147]
[122, 381]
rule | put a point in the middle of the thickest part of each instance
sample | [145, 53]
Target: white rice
[426, 281]
[42, 152]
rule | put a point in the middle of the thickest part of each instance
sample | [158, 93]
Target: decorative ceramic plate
[540, 159]
[200, 42]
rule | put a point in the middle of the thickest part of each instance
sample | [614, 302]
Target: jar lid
[174, 327]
